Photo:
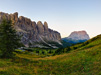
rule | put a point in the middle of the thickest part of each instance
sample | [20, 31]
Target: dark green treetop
[9, 40]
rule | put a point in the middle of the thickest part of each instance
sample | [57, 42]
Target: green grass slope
[90, 43]
[80, 46]
[83, 60]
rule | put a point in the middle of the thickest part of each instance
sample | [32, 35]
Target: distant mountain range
[40, 35]
[35, 34]
[76, 37]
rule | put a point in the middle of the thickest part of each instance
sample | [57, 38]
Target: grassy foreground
[85, 60]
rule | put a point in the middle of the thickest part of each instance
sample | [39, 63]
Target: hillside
[83, 59]
[88, 44]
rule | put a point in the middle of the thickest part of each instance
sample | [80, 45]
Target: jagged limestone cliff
[31, 31]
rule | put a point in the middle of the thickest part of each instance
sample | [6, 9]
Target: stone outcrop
[46, 27]
[40, 27]
[31, 31]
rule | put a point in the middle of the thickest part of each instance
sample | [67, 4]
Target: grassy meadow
[83, 59]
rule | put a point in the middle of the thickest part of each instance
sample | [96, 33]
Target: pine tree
[9, 40]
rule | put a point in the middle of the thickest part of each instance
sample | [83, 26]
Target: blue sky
[65, 16]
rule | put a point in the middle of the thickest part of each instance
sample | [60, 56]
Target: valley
[84, 60]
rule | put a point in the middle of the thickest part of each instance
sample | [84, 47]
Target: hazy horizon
[64, 16]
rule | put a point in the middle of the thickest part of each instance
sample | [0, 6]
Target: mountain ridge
[30, 30]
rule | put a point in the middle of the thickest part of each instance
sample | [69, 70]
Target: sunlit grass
[82, 61]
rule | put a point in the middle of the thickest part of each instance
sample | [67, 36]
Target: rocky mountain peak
[31, 31]
[76, 37]
[79, 35]
[40, 27]
[39, 23]
[46, 26]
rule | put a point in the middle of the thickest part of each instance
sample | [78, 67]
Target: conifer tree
[9, 40]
